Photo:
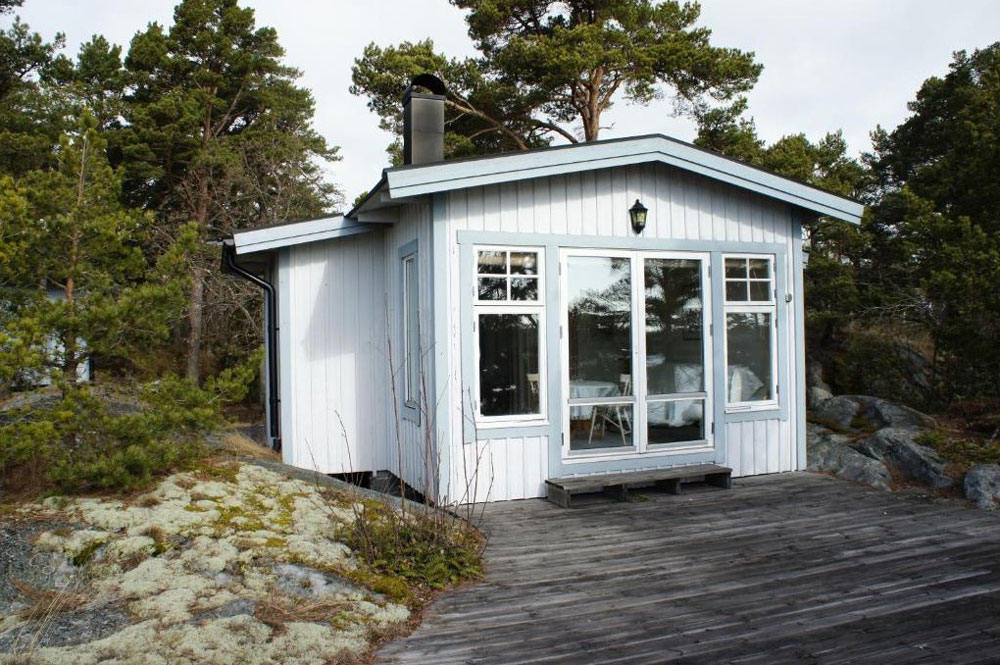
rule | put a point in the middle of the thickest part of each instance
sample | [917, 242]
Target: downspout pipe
[270, 300]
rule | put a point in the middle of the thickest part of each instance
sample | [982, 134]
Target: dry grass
[277, 610]
[237, 444]
[43, 603]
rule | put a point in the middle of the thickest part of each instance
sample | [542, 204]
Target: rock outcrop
[898, 448]
[982, 486]
[829, 451]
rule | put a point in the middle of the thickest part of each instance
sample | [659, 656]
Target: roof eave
[446, 176]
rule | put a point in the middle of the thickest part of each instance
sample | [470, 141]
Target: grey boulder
[883, 413]
[897, 447]
[982, 485]
[838, 411]
[828, 452]
[858, 412]
[817, 395]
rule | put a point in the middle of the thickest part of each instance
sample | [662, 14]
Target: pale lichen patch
[194, 545]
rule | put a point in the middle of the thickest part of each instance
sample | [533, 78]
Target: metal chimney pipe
[423, 121]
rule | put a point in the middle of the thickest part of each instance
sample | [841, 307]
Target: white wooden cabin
[479, 326]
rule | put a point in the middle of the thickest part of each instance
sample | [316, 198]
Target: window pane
[748, 345]
[736, 291]
[736, 268]
[492, 288]
[760, 291]
[523, 263]
[670, 422]
[674, 339]
[760, 268]
[508, 364]
[600, 426]
[493, 262]
[411, 295]
[600, 323]
[524, 288]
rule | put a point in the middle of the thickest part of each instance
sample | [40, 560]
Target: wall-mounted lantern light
[637, 213]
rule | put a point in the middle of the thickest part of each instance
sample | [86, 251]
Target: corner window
[411, 332]
[508, 322]
[751, 323]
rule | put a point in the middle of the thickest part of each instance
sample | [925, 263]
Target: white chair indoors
[615, 414]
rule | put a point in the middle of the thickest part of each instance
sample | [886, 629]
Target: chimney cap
[425, 80]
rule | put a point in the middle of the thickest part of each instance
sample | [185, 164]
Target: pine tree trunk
[195, 316]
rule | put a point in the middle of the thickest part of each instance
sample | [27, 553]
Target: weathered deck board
[785, 568]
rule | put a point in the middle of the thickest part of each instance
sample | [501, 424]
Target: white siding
[682, 206]
[344, 311]
[332, 336]
[411, 446]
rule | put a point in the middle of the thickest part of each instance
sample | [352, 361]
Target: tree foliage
[551, 69]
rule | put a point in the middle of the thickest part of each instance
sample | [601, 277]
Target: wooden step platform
[561, 490]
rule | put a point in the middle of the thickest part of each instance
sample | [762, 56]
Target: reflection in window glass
[675, 421]
[523, 263]
[600, 320]
[760, 291]
[674, 336]
[524, 288]
[508, 364]
[736, 268]
[748, 349]
[760, 268]
[492, 262]
[492, 288]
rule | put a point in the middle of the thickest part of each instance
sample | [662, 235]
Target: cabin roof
[409, 181]
[403, 183]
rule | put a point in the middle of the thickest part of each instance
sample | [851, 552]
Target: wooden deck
[791, 568]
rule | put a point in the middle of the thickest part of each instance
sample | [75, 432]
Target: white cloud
[848, 65]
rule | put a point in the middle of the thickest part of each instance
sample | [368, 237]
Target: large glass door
[635, 352]
[600, 345]
[675, 350]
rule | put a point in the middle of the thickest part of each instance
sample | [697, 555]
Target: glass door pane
[675, 342]
[599, 317]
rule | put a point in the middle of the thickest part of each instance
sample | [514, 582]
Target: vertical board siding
[345, 312]
[409, 455]
[681, 206]
[337, 293]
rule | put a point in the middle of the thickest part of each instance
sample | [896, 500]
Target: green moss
[275, 542]
[191, 508]
[965, 452]
[86, 553]
[235, 518]
[207, 470]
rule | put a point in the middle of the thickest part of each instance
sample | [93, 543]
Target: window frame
[770, 307]
[535, 307]
[406, 324]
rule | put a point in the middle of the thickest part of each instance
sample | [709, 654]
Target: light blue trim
[411, 413]
[552, 243]
[297, 233]
[288, 443]
[718, 280]
[798, 301]
[440, 374]
[460, 174]
[608, 242]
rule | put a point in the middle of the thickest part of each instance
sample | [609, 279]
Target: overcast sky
[841, 64]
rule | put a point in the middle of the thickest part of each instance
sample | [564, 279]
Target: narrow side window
[411, 332]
